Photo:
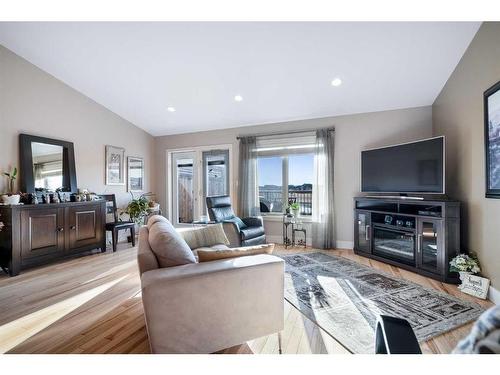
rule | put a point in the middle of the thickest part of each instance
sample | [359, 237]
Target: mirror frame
[27, 182]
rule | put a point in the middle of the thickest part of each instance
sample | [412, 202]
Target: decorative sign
[475, 286]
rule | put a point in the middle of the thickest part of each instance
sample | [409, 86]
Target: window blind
[300, 143]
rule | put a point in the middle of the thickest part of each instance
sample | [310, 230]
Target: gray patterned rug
[345, 298]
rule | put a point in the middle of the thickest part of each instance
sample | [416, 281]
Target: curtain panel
[323, 235]
[248, 188]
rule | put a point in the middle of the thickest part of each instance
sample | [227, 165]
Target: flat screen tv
[414, 167]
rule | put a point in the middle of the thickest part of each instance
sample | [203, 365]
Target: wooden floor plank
[92, 304]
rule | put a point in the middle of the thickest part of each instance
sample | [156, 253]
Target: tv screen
[416, 167]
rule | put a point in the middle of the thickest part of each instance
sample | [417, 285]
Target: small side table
[301, 242]
[287, 221]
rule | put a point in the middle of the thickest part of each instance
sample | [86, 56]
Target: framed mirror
[46, 164]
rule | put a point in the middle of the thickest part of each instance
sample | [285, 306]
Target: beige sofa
[207, 307]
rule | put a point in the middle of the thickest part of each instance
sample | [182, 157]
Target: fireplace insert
[396, 244]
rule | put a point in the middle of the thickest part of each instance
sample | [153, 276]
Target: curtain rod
[283, 133]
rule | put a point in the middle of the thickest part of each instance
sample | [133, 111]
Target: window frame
[284, 186]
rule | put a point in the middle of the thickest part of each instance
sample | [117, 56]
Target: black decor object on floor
[346, 299]
[419, 235]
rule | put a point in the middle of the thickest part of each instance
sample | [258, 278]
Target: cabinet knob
[73, 227]
[60, 229]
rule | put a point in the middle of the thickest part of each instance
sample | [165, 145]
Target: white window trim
[279, 217]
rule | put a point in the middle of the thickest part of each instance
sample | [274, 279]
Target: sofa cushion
[205, 236]
[251, 232]
[168, 245]
[210, 255]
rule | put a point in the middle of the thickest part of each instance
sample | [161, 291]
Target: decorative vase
[11, 199]
[296, 213]
[463, 275]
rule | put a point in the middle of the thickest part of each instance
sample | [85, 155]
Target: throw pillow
[205, 236]
[168, 246]
[210, 255]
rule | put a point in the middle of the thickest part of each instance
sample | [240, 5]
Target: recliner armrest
[254, 221]
[395, 336]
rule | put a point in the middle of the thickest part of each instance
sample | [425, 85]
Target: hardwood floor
[92, 304]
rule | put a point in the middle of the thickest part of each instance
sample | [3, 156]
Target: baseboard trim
[344, 245]
[494, 295]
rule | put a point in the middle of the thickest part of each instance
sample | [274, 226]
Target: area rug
[345, 299]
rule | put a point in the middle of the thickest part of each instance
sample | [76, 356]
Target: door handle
[419, 243]
[60, 229]
[367, 232]
[73, 227]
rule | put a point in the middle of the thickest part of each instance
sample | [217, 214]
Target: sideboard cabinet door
[85, 226]
[42, 232]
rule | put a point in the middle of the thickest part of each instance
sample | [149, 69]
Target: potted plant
[465, 265]
[295, 207]
[137, 209]
[10, 197]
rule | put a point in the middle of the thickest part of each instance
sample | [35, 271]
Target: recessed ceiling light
[238, 98]
[336, 82]
[171, 109]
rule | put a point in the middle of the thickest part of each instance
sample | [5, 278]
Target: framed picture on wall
[115, 165]
[135, 174]
[492, 140]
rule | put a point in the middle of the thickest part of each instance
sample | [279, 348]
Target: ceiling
[283, 71]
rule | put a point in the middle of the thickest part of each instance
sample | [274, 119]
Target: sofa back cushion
[168, 246]
[207, 236]
[210, 255]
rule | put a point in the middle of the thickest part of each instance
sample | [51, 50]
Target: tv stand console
[419, 235]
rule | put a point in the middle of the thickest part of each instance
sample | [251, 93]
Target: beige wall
[34, 102]
[458, 114]
[353, 134]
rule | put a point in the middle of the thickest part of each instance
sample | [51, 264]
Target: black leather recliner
[247, 231]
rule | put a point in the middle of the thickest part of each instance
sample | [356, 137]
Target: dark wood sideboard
[37, 234]
[419, 235]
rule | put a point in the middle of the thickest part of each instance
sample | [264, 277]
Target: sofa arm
[206, 307]
[232, 232]
[254, 221]
[395, 336]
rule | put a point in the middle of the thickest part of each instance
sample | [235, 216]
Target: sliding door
[184, 181]
[215, 174]
[195, 175]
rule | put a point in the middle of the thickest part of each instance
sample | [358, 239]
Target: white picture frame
[115, 165]
[135, 174]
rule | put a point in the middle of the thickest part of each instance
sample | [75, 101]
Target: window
[270, 170]
[300, 179]
[285, 174]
